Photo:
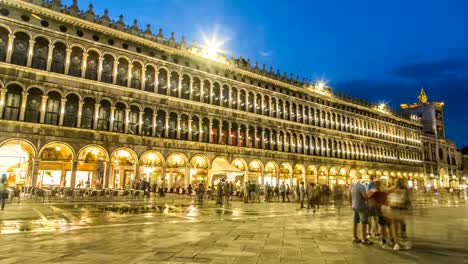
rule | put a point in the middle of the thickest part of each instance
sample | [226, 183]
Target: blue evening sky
[378, 50]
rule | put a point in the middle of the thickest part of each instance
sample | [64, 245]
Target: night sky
[384, 51]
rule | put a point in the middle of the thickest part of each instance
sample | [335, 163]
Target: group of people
[381, 213]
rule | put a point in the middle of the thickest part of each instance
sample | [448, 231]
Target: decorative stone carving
[148, 30]
[183, 43]
[90, 13]
[105, 18]
[56, 5]
[264, 69]
[135, 29]
[120, 25]
[74, 9]
[172, 41]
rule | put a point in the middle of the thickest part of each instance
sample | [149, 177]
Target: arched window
[215, 131]
[299, 114]
[52, 115]
[87, 116]
[173, 126]
[206, 92]
[273, 107]
[122, 72]
[104, 116]
[195, 128]
[162, 81]
[274, 137]
[280, 109]
[216, 94]
[293, 143]
[149, 79]
[12, 102]
[250, 102]
[258, 107]
[206, 130]
[242, 136]
[266, 138]
[293, 114]
[266, 106]
[161, 124]
[242, 100]
[233, 137]
[119, 118]
[185, 93]
[58, 58]
[287, 142]
[20, 49]
[107, 69]
[234, 98]
[174, 84]
[136, 76]
[184, 128]
[41, 50]
[224, 133]
[71, 111]
[3, 43]
[196, 90]
[92, 64]
[133, 120]
[307, 146]
[147, 129]
[76, 61]
[33, 106]
[225, 96]
[259, 137]
[287, 110]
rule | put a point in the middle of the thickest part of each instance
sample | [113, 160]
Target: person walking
[277, 193]
[288, 192]
[3, 190]
[302, 194]
[338, 197]
[360, 208]
[283, 191]
[200, 192]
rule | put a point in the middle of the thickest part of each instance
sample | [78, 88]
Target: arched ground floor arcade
[81, 163]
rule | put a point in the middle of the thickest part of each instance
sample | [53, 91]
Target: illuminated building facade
[89, 101]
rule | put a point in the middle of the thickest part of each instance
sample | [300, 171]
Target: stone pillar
[179, 87]
[129, 75]
[278, 143]
[143, 78]
[178, 128]
[156, 76]
[140, 122]
[11, 41]
[107, 176]
[211, 95]
[166, 129]
[190, 129]
[247, 139]
[238, 135]
[50, 53]
[101, 61]
[210, 131]
[80, 112]
[200, 128]
[127, 115]
[2, 100]
[191, 90]
[277, 108]
[30, 52]
[62, 111]
[43, 108]
[73, 173]
[111, 121]
[153, 127]
[83, 67]
[262, 139]
[67, 61]
[229, 134]
[96, 116]
[202, 91]
[168, 88]
[115, 70]
[238, 100]
[254, 142]
[35, 171]
[229, 98]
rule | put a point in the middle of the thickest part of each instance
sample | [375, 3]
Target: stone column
[277, 108]
[43, 108]
[166, 129]
[262, 139]
[211, 94]
[191, 90]
[50, 53]
[115, 70]
[24, 99]
[107, 176]
[62, 111]
[83, 67]
[210, 131]
[156, 76]
[101, 61]
[67, 61]
[143, 78]
[96, 115]
[129, 75]
[179, 87]
[80, 112]
[238, 99]
[255, 103]
[153, 127]
[168, 88]
[229, 134]
[140, 122]
[112, 117]
[11, 41]
[229, 97]
[35, 171]
[2, 100]
[127, 115]
[247, 139]
[202, 91]
[238, 135]
[278, 141]
[190, 128]
[73, 173]
[30, 52]
[200, 128]
[254, 142]
[178, 128]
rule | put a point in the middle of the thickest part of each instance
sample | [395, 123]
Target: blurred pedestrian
[302, 194]
[283, 191]
[3, 190]
[360, 208]
[397, 211]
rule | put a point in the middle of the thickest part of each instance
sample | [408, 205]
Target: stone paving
[178, 231]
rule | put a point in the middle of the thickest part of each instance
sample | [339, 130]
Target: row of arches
[59, 164]
[51, 108]
[75, 60]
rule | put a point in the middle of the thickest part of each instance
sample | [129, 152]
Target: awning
[222, 166]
